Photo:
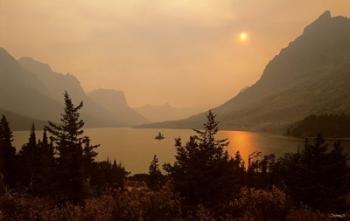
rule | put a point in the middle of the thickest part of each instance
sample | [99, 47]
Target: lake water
[134, 148]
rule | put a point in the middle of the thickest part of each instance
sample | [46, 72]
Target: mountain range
[310, 76]
[30, 91]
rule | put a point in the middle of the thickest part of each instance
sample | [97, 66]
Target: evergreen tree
[36, 164]
[89, 153]
[155, 176]
[69, 142]
[44, 178]
[118, 175]
[107, 175]
[317, 176]
[30, 160]
[47, 148]
[203, 172]
[261, 171]
[7, 153]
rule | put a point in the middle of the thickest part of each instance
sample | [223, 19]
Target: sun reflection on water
[239, 141]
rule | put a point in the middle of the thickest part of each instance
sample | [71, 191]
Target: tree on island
[75, 153]
[204, 173]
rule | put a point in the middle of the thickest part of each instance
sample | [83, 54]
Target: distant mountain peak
[323, 19]
[326, 15]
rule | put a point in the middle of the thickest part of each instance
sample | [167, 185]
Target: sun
[243, 36]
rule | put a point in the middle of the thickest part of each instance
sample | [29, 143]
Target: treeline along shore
[329, 125]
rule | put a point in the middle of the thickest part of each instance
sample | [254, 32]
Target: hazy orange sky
[185, 52]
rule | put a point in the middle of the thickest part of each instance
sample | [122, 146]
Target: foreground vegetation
[141, 203]
[57, 178]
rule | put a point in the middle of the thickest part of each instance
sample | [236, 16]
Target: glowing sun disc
[243, 36]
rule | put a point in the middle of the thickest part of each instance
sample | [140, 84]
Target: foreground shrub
[143, 204]
[138, 203]
[22, 207]
[262, 204]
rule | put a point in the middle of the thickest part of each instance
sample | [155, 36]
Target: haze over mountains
[30, 91]
[310, 76]
[163, 112]
[116, 103]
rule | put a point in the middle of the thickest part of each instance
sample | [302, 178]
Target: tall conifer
[7, 153]
[70, 144]
[203, 173]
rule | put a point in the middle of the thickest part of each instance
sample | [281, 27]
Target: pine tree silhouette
[69, 142]
[203, 172]
[47, 167]
[29, 158]
[7, 153]
[155, 177]
[317, 176]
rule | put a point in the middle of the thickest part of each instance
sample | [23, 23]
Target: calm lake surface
[134, 148]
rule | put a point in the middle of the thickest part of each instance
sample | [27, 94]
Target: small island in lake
[160, 136]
